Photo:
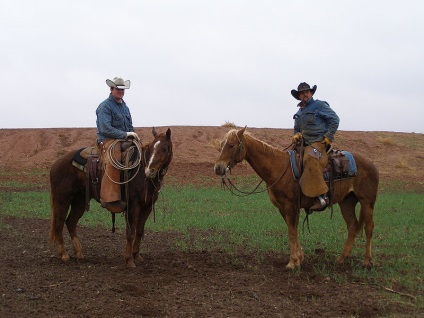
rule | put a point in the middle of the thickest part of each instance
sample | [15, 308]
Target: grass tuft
[229, 124]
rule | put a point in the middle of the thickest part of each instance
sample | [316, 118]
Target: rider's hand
[327, 144]
[297, 138]
[132, 134]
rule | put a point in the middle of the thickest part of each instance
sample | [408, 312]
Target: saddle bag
[339, 163]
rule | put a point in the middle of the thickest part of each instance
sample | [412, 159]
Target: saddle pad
[78, 161]
[293, 163]
[352, 164]
[80, 158]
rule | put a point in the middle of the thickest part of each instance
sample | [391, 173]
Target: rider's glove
[297, 138]
[132, 134]
[327, 144]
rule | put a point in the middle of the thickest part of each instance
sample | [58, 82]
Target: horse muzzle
[150, 173]
[221, 169]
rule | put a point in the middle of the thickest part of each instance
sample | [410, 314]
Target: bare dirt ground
[170, 282]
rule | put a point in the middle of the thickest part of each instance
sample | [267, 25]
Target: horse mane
[146, 146]
[266, 147]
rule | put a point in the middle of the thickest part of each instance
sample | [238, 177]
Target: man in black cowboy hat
[315, 124]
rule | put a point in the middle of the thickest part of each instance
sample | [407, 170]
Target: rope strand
[119, 165]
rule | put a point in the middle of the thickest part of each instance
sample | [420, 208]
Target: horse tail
[52, 232]
[361, 223]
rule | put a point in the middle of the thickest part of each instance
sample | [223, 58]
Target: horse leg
[77, 210]
[291, 216]
[59, 212]
[366, 217]
[140, 234]
[132, 219]
[129, 258]
[347, 207]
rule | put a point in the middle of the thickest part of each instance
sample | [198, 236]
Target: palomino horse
[273, 166]
[68, 190]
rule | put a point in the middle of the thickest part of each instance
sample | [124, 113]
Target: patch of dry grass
[215, 144]
[402, 164]
[229, 124]
[387, 141]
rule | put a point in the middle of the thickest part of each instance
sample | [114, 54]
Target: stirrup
[322, 205]
[323, 200]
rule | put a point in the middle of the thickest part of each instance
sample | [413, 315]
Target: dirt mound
[398, 156]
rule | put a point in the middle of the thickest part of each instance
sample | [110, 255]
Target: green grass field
[212, 218]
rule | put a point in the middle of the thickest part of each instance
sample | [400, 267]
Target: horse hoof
[138, 258]
[368, 265]
[131, 264]
[290, 267]
[65, 257]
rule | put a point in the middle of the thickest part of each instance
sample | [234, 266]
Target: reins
[233, 187]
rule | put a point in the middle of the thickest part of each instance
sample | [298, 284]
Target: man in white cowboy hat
[113, 122]
[315, 124]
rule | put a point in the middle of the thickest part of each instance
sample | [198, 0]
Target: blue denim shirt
[316, 121]
[113, 120]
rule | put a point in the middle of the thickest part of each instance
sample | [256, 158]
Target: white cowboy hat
[118, 82]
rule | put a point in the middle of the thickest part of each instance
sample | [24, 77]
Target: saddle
[341, 165]
[88, 160]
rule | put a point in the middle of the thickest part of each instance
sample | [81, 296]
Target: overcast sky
[204, 63]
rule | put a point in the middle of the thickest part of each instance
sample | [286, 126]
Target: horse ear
[168, 134]
[154, 132]
[241, 132]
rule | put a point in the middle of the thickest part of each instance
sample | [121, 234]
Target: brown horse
[68, 190]
[273, 166]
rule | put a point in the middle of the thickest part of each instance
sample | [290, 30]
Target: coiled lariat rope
[121, 166]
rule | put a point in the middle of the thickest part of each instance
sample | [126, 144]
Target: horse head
[160, 157]
[232, 151]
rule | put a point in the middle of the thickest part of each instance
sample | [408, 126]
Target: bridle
[237, 153]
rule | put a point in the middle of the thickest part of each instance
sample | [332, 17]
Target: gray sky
[204, 63]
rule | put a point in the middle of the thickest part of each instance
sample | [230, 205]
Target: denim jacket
[316, 121]
[113, 120]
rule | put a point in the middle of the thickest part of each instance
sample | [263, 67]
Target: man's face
[118, 93]
[305, 96]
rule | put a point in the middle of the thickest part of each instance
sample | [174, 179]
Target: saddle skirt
[80, 158]
[341, 165]
[87, 160]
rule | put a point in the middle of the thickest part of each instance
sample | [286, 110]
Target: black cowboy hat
[303, 87]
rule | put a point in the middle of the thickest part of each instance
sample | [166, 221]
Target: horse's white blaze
[152, 157]
[222, 148]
